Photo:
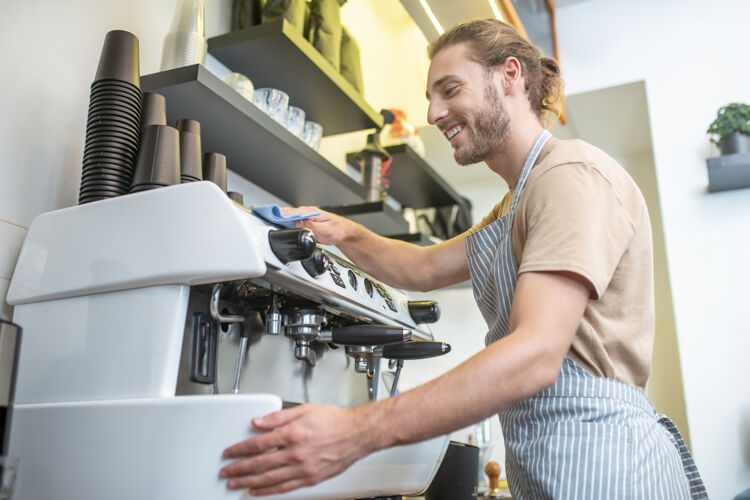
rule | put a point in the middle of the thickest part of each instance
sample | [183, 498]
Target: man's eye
[451, 90]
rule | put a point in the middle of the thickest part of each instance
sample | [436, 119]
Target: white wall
[692, 56]
[51, 51]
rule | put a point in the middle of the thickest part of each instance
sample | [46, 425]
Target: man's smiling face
[465, 104]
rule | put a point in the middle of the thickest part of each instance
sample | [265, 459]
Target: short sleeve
[500, 209]
[569, 219]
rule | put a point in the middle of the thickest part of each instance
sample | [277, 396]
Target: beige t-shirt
[581, 212]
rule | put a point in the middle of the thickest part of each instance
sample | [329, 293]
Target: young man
[562, 273]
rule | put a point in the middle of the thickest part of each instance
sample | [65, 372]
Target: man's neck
[508, 163]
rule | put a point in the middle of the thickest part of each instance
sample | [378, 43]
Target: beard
[488, 130]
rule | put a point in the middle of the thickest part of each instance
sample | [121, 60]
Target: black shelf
[728, 172]
[415, 184]
[276, 55]
[257, 148]
[376, 216]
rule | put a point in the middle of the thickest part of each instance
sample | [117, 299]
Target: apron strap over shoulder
[697, 489]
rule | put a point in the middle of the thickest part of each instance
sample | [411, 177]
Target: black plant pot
[735, 143]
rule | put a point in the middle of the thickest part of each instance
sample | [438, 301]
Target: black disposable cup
[127, 91]
[215, 169]
[94, 163]
[116, 84]
[145, 187]
[119, 59]
[119, 100]
[103, 188]
[104, 179]
[191, 126]
[235, 196]
[109, 123]
[114, 133]
[101, 192]
[104, 87]
[190, 155]
[108, 113]
[159, 156]
[109, 156]
[110, 145]
[91, 199]
[154, 110]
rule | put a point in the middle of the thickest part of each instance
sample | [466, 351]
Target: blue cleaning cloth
[272, 213]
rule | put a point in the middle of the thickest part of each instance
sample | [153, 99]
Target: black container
[215, 169]
[191, 126]
[191, 167]
[154, 111]
[235, 196]
[456, 479]
[119, 59]
[159, 157]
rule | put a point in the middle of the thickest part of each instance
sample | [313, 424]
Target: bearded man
[562, 271]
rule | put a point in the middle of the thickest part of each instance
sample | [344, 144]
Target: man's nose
[435, 111]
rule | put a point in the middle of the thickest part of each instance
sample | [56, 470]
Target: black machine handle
[369, 334]
[424, 311]
[415, 350]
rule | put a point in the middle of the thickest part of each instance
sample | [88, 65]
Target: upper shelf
[276, 55]
[256, 146]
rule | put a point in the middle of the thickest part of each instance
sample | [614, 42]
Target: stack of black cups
[112, 129]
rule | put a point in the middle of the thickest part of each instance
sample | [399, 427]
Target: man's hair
[492, 43]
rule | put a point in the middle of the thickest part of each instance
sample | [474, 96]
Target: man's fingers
[266, 479]
[278, 418]
[257, 464]
[255, 446]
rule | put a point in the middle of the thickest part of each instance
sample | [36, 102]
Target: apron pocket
[576, 460]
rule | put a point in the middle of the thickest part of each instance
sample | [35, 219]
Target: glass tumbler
[312, 134]
[273, 102]
[8, 472]
[295, 120]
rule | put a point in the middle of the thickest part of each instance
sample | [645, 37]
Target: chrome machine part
[213, 308]
[303, 326]
[273, 318]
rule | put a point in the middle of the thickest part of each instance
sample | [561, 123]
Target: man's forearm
[509, 370]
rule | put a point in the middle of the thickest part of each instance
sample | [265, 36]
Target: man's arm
[394, 262]
[312, 443]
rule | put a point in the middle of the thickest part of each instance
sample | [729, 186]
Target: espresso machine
[158, 324]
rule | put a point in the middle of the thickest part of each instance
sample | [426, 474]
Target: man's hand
[307, 445]
[329, 229]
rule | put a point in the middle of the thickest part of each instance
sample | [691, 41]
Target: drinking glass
[295, 120]
[312, 134]
[273, 102]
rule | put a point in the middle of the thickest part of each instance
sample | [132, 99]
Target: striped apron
[584, 437]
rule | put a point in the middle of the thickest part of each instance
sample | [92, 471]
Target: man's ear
[510, 73]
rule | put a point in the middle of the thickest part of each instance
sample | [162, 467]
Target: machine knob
[292, 244]
[415, 350]
[424, 311]
[316, 264]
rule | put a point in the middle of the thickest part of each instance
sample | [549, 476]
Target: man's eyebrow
[439, 83]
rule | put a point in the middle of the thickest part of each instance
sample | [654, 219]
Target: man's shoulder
[575, 152]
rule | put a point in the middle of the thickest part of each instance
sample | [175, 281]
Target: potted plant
[731, 128]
